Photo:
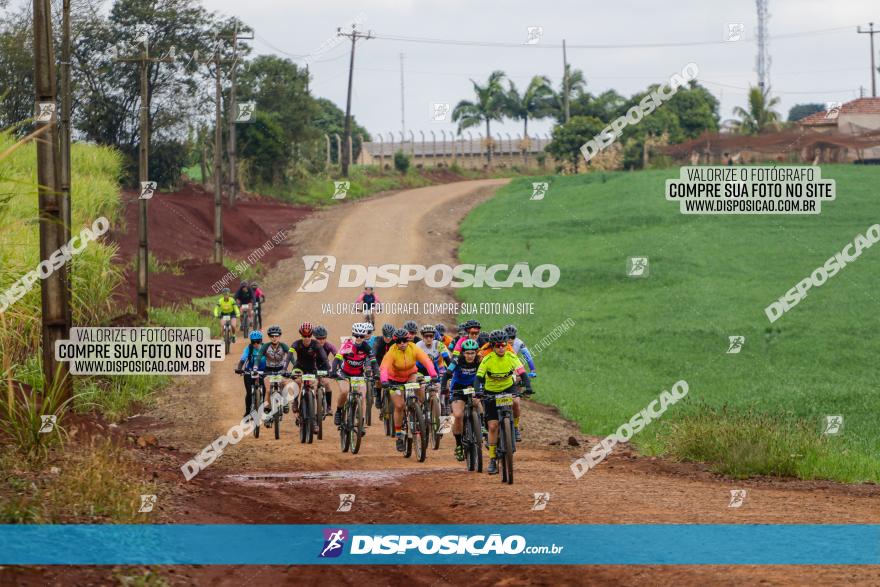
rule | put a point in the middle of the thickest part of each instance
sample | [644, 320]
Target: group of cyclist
[248, 298]
[491, 363]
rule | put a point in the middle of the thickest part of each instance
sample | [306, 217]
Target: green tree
[567, 139]
[799, 111]
[760, 116]
[16, 70]
[576, 84]
[534, 102]
[488, 106]
[606, 106]
[697, 110]
[330, 120]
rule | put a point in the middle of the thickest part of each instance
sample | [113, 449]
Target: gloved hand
[532, 374]
[239, 371]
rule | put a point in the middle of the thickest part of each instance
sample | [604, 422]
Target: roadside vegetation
[759, 412]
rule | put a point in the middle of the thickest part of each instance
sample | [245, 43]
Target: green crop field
[761, 411]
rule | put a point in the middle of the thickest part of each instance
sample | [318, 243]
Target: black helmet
[274, 331]
[400, 335]
[441, 328]
[320, 332]
[387, 329]
[410, 326]
[510, 329]
[497, 336]
[472, 324]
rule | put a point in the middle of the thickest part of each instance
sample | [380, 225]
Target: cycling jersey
[398, 365]
[226, 307]
[519, 348]
[498, 372]
[249, 358]
[368, 300]
[244, 295]
[353, 358]
[258, 295]
[487, 348]
[438, 352]
[462, 373]
[277, 356]
[329, 349]
[481, 340]
[309, 359]
[380, 347]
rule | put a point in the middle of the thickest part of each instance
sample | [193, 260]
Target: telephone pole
[235, 37]
[55, 297]
[402, 111]
[354, 35]
[218, 162]
[64, 146]
[143, 291]
[871, 32]
[565, 89]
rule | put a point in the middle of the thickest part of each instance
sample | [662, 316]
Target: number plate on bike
[275, 378]
[356, 380]
[409, 386]
[410, 393]
[504, 400]
[321, 373]
[468, 391]
[308, 377]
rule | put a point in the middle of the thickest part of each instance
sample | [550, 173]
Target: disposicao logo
[318, 270]
[334, 539]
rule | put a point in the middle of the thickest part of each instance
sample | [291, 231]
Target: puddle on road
[358, 477]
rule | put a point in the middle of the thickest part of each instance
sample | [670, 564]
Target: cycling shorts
[490, 410]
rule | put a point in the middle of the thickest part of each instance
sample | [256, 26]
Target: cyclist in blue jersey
[462, 373]
[250, 360]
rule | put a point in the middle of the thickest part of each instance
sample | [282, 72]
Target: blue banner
[605, 544]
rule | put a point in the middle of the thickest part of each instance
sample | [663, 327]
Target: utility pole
[762, 63]
[402, 111]
[64, 146]
[55, 297]
[565, 89]
[218, 162]
[354, 35]
[871, 32]
[233, 113]
[143, 291]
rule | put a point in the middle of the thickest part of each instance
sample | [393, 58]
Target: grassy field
[757, 412]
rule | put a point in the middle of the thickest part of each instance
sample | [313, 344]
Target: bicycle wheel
[475, 442]
[507, 457]
[435, 422]
[244, 324]
[357, 427]
[303, 417]
[277, 419]
[369, 392]
[407, 434]
[344, 438]
[256, 409]
[311, 419]
[421, 439]
[322, 409]
[227, 340]
[388, 414]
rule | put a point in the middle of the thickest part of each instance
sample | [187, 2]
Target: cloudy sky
[817, 56]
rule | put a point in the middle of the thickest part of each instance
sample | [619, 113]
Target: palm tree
[535, 102]
[760, 116]
[576, 84]
[487, 107]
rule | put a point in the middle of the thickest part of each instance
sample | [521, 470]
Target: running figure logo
[46, 112]
[637, 267]
[333, 542]
[439, 112]
[341, 189]
[148, 188]
[736, 344]
[541, 501]
[832, 109]
[346, 500]
[737, 498]
[534, 34]
[47, 423]
[833, 425]
[147, 503]
[246, 111]
[735, 31]
[318, 270]
[539, 190]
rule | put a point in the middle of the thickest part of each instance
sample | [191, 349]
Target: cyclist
[245, 298]
[436, 350]
[473, 330]
[226, 306]
[462, 373]
[411, 331]
[330, 349]
[441, 336]
[277, 357]
[520, 350]
[249, 362]
[370, 329]
[310, 357]
[399, 366]
[368, 300]
[497, 373]
[487, 348]
[380, 345]
[351, 361]
[260, 299]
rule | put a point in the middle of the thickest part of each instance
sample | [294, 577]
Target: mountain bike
[387, 414]
[506, 438]
[471, 438]
[352, 428]
[415, 434]
[431, 412]
[245, 317]
[368, 377]
[276, 385]
[227, 331]
[258, 316]
[256, 397]
[307, 407]
[323, 410]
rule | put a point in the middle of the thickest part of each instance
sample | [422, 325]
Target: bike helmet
[387, 329]
[305, 329]
[469, 345]
[358, 329]
[370, 328]
[400, 335]
[510, 330]
[497, 336]
[441, 329]
[225, 290]
[472, 324]
[427, 329]
[256, 336]
[254, 285]
[274, 331]
[320, 332]
[410, 326]
[244, 284]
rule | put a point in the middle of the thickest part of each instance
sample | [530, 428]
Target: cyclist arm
[426, 362]
[322, 358]
[289, 358]
[244, 358]
[360, 298]
[337, 363]
[528, 357]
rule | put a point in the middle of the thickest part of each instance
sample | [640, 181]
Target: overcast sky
[817, 67]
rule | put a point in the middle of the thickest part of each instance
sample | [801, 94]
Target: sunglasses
[473, 332]
[499, 345]
[428, 335]
[357, 336]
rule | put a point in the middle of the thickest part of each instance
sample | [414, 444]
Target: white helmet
[358, 329]
[370, 328]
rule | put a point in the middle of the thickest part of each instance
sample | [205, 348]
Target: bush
[401, 162]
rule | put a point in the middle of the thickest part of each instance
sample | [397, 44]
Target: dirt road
[268, 481]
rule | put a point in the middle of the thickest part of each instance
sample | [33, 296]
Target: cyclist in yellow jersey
[497, 373]
[227, 306]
